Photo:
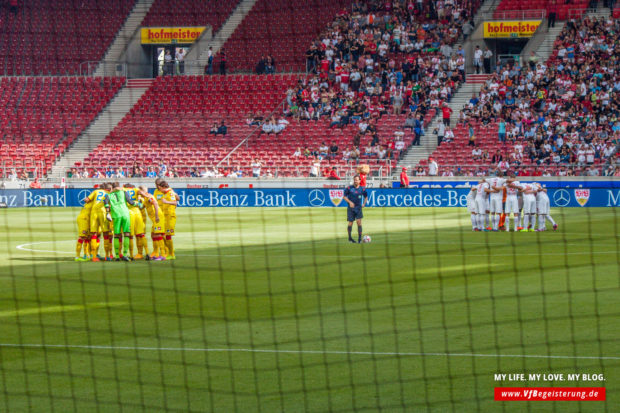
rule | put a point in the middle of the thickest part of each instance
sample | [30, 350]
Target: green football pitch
[271, 310]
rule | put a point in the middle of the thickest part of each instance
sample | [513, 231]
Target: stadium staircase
[428, 141]
[224, 34]
[545, 49]
[124, 35]
[103, 124]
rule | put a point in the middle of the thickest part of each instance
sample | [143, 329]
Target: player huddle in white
[497, 195]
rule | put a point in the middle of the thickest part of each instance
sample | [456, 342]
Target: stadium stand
[41, 116]
[179, 111]
[518, 9]
[168, 13]
[282, 29]
[54, 37]
[558, 119]
[182, 109]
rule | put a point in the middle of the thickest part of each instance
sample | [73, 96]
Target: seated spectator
[280, 126]
[409, 122]
[214, 129]
[333, 150]
[297, 153]
[222, 129]
[323, 150]
[333, 175]
[476, 153]
[35, 184]
[497, 157]
[269, 126]
[448, 135]
[420, 171]
[249, 120]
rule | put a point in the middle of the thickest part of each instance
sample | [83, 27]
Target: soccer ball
[366, 239]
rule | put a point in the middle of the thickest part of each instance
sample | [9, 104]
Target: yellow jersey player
[83, 223]
[167, 200]
[98, 222]
[136, 222]
[158, 224]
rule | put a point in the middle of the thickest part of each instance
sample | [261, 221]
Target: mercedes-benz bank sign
[313, 197]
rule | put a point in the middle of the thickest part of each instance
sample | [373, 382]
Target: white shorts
[542, 207]
[471, 205]
[529, 204]
[481, 206]
[512, 204]
[496, 205]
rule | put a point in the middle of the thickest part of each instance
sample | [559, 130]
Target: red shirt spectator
[404, 179]
[333, 175]
[446, 111]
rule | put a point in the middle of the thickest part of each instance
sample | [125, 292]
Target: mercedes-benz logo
[83, 194]
[561, 197]
[316, 197]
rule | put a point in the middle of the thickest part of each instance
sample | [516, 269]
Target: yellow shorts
[98, 222]
[158, 227]
[83, 223]
[136, 222]
[171, 222]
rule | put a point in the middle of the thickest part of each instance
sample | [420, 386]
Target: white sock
[551, 220]
[474, 223]
[487, 220]
[541, 222]
[481, 220]
[526, 220]
[516, 220]
[496, 221]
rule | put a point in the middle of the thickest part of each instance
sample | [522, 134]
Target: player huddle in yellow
[96, 221]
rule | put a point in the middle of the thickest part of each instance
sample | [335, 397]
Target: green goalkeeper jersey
[118, 204]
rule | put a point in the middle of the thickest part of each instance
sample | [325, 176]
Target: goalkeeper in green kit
[116, 206]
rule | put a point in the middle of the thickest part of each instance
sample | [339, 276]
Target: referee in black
[356, 196]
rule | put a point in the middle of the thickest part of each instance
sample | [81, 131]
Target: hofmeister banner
[507, 29]
[410, 197]
[168, 35]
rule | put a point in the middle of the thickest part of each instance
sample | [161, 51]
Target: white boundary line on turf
[22, 247]
[326, 352]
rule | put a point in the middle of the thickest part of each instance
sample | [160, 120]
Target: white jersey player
[512, 202]
[471, 207]
[497, 187]
[482, 208]
[529, 206]
[543, 208]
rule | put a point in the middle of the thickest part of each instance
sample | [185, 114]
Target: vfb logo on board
[582, 196]
[336, 196]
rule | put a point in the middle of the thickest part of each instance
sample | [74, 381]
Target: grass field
[271, 310]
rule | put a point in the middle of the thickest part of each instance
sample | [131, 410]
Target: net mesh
[263, 304]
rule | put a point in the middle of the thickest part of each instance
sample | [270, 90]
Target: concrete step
[97, 131]
[131, 24]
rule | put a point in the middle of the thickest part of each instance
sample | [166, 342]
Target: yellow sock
[170, 246]
[94, 247]
[86, 245]
[78, 248]
[162, 248]
[107, 246]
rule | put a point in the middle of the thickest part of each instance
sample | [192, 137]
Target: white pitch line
[272, 351]
[23, 248]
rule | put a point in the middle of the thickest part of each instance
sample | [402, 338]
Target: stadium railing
[378, 170]
[537, 14]
[383, 170]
